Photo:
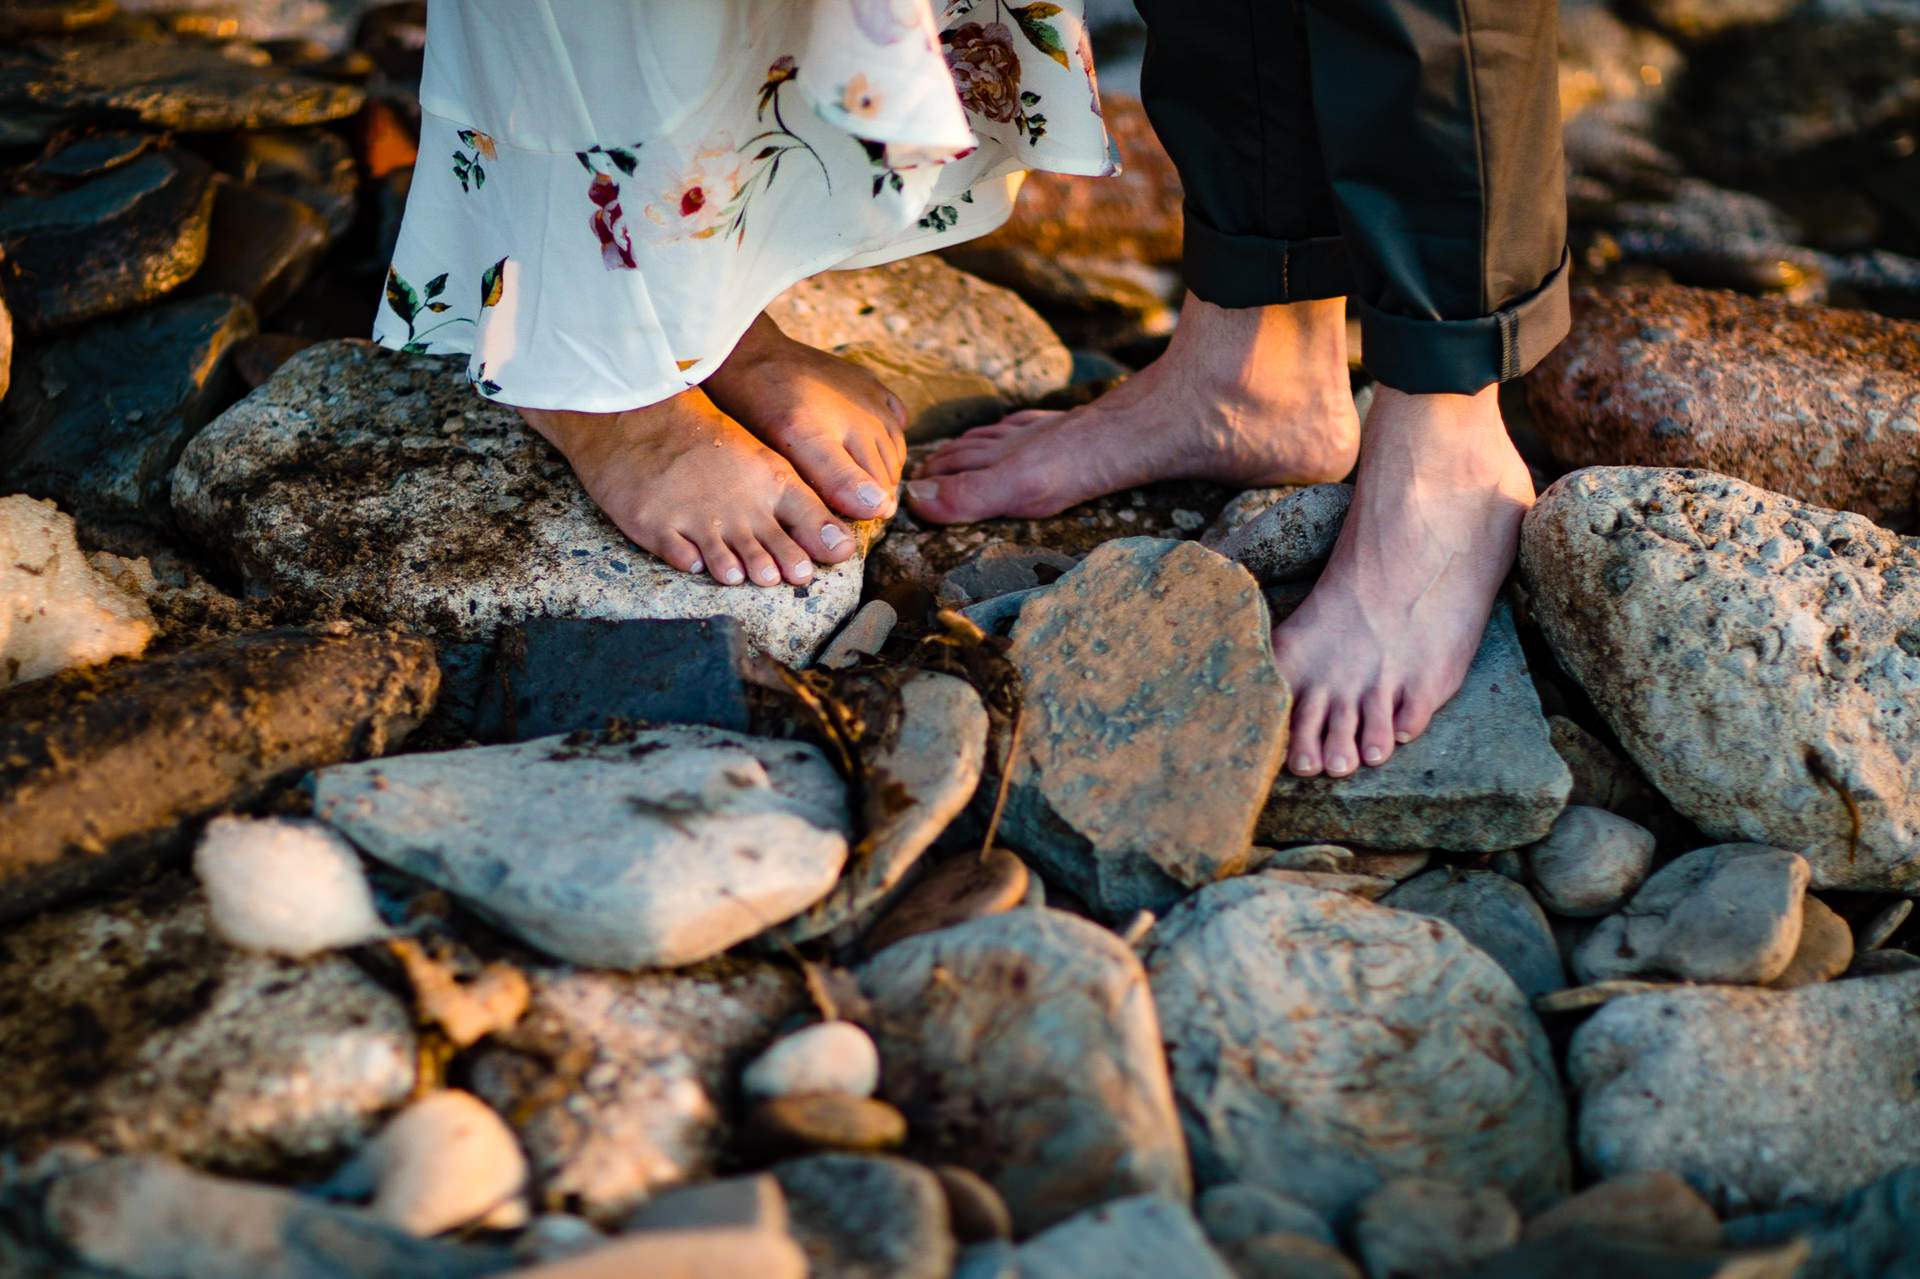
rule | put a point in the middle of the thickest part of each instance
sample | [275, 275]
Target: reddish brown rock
[1820, 404]
[1133, 215]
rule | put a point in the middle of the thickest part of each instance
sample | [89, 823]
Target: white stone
[834, 1056]
[655, 849]
[284, 887]
[447, 1161]
[56, 611]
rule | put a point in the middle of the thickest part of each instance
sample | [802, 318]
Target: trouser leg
[1226, 86]
[1439, 122]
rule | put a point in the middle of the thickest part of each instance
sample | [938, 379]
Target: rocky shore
[402, 875]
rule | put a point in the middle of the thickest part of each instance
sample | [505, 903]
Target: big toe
[820, 533]
[961, 497]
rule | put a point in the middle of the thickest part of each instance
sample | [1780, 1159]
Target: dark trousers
[1404, 152]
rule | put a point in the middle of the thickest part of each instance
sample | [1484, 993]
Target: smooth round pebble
[827, 1121]
[286, 887]
[1825, 950]
[446, 1161]
[1590, 862]
[974, 1207]
[832, 1057]
[1415, 1227]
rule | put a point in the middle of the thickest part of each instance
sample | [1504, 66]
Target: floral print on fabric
[827, 133]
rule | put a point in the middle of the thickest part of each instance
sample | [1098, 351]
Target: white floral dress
[609, 191]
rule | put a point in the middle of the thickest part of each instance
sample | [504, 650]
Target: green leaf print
[493, 283]
[401, 297]
[624, 160]
[1041, 34]
[437, 285]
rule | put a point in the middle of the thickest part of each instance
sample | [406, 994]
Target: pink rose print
[986, 69]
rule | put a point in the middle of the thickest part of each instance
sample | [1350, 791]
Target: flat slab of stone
[1759, 658]
[658, 848]
[1483, 777]
[1321, 1046]
[379, 482]
[1758, 1098]
[135, 1027]
[1818, 403]
[99, 770]
[1154, 723]
[101, 414]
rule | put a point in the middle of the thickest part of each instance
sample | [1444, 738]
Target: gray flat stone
[1144, 1237]
[1729, 913]
[659, 848]
[1483, 777]
[1415, 1226]
[379, 482]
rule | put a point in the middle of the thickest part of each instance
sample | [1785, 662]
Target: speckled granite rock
[133, 1026]
[617, 1085]
[380, 482]
[1483, 777]
[1758, 1098]
[1149, 683]
[1322, 1046]
[1756, 656]
[1822, 405]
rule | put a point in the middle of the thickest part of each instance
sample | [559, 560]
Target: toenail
[695, 567]
[1301, 763]
[1338, 764]
[1374, 754]
[732, 576]
[1403, 737]
[871, 496]
[767, 573]
[923, 490]
[802, 568]
[831, 536]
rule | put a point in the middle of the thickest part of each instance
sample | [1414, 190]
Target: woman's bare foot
[840, 427]
[1391, 627]
[1246, 397]
[689, 484]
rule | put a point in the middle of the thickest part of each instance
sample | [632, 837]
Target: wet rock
[263, 246]
[1587, 1254]
[1134, 215]
[663, 847]
[444, 1162]
[379, 482]
[1143, 1237]
[974, 1208]
[284, 887]
[1149, 679]
[808, 1122]
[132, 1026]
[1747, 651]
[865, 634]
[1869, 1233]
[961, 888]
[1590, 863]
[560, 674]
[99, 771]
[1237, 1211]
[56, 610]
[1044, 1024]
[1413, 1227]
[868, 1218]
[1730, 913]
[110, 244]
[1825, 950]
[1292, 537]
[924, 319]
[1000, 568]
[1653, 1207]
[1821, 405]
[614, 1084]
[1292, 1074]
[148, 1218]
[101, 414]
[1495, 914]
[1481, 778]
[833, 1056]
[187, 85]
[923, 771]
[1739, 1091]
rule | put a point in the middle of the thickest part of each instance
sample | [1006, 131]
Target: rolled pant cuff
[1258, 270]
[1460, 357]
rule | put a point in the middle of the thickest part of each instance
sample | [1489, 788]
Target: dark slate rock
[557, 674]
[192, 86]
[113, 243]
[262, 247]
[52, 17]
[102, 414]
[1874, 1233]
[93, 155]
[99, 769]
[313, 166]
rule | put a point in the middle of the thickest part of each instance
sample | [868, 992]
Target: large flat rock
[378, 481]
[1758, 657]
[1483, 777]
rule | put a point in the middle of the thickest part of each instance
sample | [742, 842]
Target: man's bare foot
[1392, 625]
[840, 427]
[1247, 397]
[689, 484]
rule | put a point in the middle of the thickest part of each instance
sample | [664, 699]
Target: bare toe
[762, 568]
[1376, 728]
[961, 497]
[1309, 725]
[1340, 749]
[795, 564]
[819, 533]
[1414, 714]
[833, 473]
[720, 560]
